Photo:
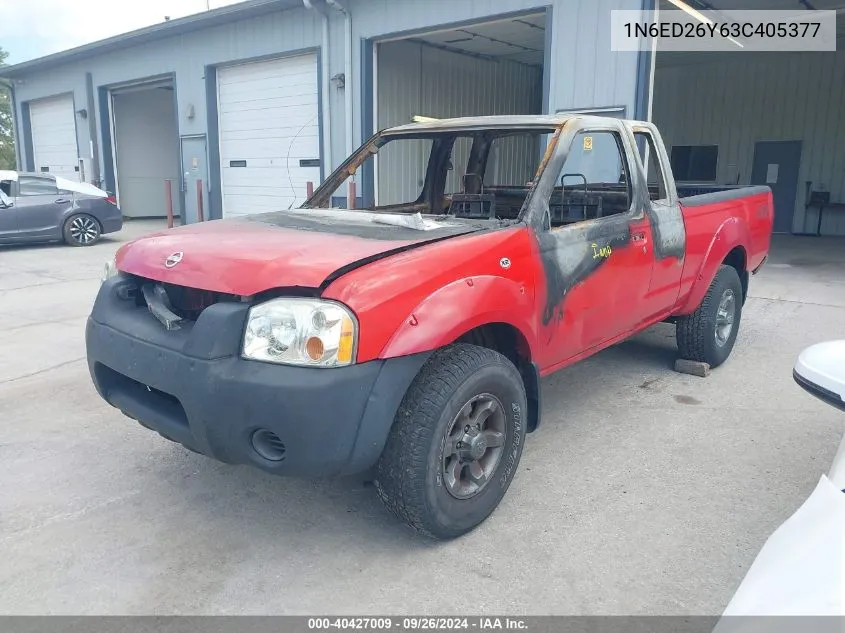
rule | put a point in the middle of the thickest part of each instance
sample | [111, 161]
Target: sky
[34, 28]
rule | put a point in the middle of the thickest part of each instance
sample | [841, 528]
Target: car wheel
[708, 334]
[455, 443]
[81, 229]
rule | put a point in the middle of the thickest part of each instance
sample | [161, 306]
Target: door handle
[62, 201]
[640, 238]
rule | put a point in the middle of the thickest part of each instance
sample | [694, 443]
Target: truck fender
[459, 307]
[733, 232]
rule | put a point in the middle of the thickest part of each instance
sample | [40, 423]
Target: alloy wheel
[473, 446]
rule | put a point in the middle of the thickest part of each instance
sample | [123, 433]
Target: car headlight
[109, 271]
[296, 331]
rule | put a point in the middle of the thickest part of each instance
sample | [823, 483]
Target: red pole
[168, 198]
[350, 198]
[199, 201]
[309, 189]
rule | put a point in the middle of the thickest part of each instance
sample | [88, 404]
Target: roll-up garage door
[269, 133]
[54, 136]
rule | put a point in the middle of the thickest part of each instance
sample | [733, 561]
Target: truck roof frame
[505, 122]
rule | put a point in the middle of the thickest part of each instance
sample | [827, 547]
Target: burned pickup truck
[406, 337]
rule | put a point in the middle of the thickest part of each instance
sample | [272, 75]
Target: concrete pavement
[644, 492]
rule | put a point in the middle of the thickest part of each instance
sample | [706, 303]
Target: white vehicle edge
[800, 570]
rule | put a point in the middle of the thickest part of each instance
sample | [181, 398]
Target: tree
[7, 134]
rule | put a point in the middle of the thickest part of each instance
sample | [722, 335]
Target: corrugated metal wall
[749, 98]
[147, 151]
[414, 78]
[582, 69]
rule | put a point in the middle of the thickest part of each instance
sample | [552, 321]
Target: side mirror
[820, 369]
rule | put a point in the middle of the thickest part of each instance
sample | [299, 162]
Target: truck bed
[746, 214]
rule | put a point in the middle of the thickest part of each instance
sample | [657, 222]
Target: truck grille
[186, 303]
[189, 303]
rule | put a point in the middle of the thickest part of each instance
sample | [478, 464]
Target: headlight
[109, 271]
[295, 331]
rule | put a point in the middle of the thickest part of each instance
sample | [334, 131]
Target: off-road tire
[409, 474]
[696, 333]
[81, 229]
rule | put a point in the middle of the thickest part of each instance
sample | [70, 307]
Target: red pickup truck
[407, 337]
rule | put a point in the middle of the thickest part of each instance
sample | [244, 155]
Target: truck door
[596, 246]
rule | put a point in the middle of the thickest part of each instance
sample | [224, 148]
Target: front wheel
[81, 229]
[455, 443]
[708, 334]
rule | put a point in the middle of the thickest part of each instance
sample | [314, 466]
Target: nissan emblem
[173, 259]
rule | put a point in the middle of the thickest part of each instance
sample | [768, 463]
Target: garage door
[269, 134]
[54, 136]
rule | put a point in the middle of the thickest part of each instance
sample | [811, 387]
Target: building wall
[749, 98]
[185, 57]
[581, 70]
[417, 79]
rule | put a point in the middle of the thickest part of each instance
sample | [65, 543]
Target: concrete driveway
[644, 492]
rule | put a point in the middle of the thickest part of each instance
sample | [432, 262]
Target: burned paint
[548, 154]
[358, 224]
[665, 216]
[572, 254]
[569, 256]
[322, 196]
[669, 234]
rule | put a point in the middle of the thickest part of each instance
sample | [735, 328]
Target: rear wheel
[708, 334]
[81, 229]
[455, 443]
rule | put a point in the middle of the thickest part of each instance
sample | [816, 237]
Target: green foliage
[7, 135]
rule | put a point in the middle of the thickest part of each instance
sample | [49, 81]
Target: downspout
[347, 74]
[325, 88]
[653, 69]
[92, 131]
[17, 132]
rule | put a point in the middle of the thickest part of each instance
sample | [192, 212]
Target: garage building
[246, 104]
[236, 110]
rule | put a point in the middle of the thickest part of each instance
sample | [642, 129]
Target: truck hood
[302, 248]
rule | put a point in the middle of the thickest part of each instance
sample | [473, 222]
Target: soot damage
[668, 231]
[571, 255]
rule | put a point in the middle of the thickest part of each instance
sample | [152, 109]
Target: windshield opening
[475, 174]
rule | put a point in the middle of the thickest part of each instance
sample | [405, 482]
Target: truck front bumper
[192, 387]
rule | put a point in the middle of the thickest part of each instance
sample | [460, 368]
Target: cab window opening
[594, 181]
[472, 174]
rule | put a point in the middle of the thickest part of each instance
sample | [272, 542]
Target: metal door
[194, 170]
[776, 165]
[269, 129]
